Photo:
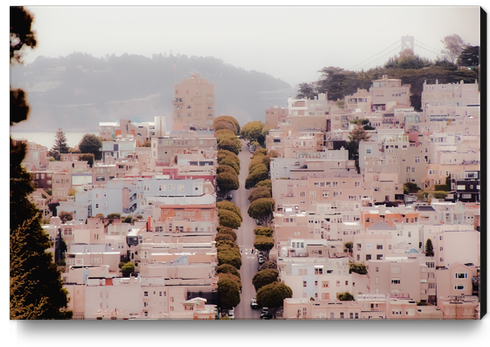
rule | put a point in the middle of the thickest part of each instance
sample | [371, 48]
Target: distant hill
[78, 91]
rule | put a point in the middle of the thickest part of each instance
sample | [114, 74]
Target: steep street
[245, 239]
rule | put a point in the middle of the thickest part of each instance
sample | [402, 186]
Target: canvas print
[245, 163]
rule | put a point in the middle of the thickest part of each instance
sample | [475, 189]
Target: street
[245, 239]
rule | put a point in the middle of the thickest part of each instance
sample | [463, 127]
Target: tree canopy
[429, 248]
[264, 183]
[227, 230]
[269, 264]
[227, 268]
[259, 173]
[230, 161]
[252, 130]
[228, 293]
[91, 144]
[229, 145]
[229, 219]
[359, 268]
[259, 192]
[470, 56]
[226, 122]
[345, 296]
[273, 295]
[454, 45]
[227, 181]
[263, 243]
[228, 256]
[263, 231]
[264, 277]
[60, 145]
[228, 205]
[262, 209]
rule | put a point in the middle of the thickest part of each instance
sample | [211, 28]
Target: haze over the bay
[288, 42]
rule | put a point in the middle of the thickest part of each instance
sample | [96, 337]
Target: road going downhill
[245, 239]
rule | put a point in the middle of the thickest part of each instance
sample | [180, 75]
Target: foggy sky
[290, 42]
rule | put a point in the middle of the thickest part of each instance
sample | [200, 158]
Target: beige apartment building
[194, 102]
[275, 115]
[389, 90]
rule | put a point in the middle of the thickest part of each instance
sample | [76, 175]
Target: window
[325, 284]
[338, 283]
[395, 281]
[460, 286]
[302, 194]
[325, 296]
[378, 246]
[460, 275]
[304, 284]
[312, 194]
[318, 271]
[145, 293]
[341, 315]
[368, 256]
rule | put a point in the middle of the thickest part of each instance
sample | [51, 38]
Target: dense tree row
[229, 215]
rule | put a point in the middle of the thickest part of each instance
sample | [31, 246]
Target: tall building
[194, 103]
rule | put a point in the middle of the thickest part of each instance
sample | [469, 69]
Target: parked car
[265, 314]
[261, 259]
[253, 303]
[251, 156]
[229, 196]
[231, 313]
[258, 222]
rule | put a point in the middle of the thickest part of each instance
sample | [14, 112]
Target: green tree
[264, 243]
[263, 210]
[470, 56]
[260, 173]
[259, 192]
[225, 168]
[227, 181]
[224, 237]
[228, 205]
[306, 91]
[269, 264]
[340, 103]
[345, 296]
[223, 153]
[229, 219]
[232, 277]
[36, 289]
[252, 130]
[65, 216]
[264, 183]
[127, 269]
[226, 122]
[264, 277]
[359, 268]
[227, 230]
[232, 163]
[89, 157]
[454, 46]
[429, 249]
[348, 246]
[228, 294]
[228, 256]
[91, 144]
[128, 220]
[227, 268]
[60, 145]
[273, 295]
[229, 145]
[263, 231]
[356, 136]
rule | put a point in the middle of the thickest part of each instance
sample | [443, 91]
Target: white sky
[287, 42]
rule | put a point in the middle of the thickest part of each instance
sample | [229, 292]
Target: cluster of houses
[165, 180]
[330, 215]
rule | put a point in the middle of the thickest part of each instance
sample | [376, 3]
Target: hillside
[78, 91]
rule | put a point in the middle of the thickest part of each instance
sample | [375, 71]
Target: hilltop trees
[60, 145]
[36, 289]
[454, 45]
